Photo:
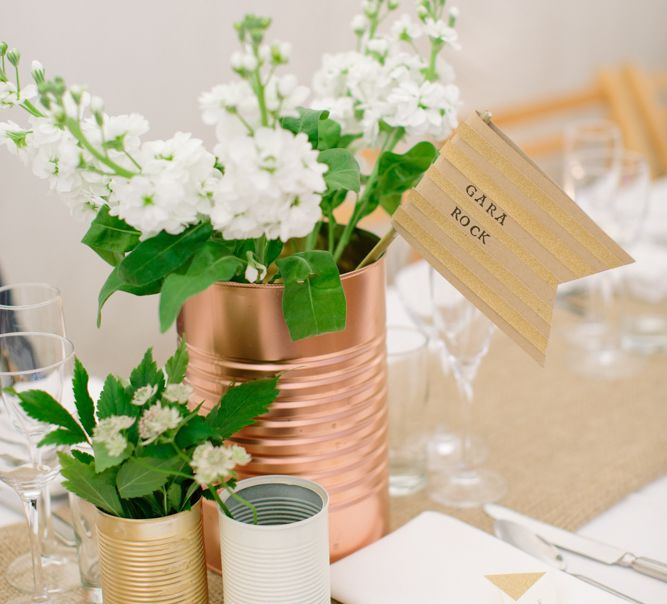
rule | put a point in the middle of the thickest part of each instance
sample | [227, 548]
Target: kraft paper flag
[497, 228]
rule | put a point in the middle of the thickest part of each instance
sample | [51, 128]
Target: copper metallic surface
[329, 423]
[153, 560]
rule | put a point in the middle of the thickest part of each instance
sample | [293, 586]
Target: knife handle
[652, 568]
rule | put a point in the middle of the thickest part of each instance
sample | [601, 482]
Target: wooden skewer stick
[379, 249]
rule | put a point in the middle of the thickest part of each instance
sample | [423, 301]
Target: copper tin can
[329, 423]
[153, 560]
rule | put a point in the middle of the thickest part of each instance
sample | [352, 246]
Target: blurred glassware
[38, 308]
[466, 334]
[84, 516]
[408, 376]
[612, 188]
[34, 307]
[33, 361]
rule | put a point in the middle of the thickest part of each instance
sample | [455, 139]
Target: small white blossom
[280, 52]
[439, 30]
[15, 139]
[214, 464]
[108, 433]
[143, 395]
[243, 61]
[454, 12]
[156, 420]
[406, 29]
[379, 46]
[11, 96]
[359, 24]
[255, 271]
[177, 393]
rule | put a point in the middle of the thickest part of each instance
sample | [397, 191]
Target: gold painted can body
[329, 423]
[154, 560]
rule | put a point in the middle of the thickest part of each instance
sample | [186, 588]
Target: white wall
[156, 56]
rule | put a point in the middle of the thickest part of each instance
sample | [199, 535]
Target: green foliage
[151, 477]
[308, 122]
[208, 266]
[241, 404]
[110, 234]
[343, 172]
[177, 364]
[313, 300]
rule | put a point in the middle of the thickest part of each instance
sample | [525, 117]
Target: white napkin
[435, 559]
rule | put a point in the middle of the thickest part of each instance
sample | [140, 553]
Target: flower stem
[245, 502]
[220, 502]
[18, 83]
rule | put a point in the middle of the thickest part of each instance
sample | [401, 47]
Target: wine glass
[32, 361]
[38, 308]
[589, 135]
[466, 334]
[612, 187]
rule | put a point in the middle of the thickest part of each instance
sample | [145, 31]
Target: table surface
[583, 454]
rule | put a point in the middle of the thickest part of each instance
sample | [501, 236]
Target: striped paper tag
[504, 234]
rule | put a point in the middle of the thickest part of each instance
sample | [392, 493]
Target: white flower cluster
[272, 181]
[387, 81]
[157, 420]
[213, 464]
[109, 432]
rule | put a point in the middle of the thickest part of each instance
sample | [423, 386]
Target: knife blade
[583, 546]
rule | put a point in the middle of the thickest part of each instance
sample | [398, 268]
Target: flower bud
[37, 72]
[392, 4]
[96, 104]
[359, 24]
[3, 48]
[286, 85]
[76, 92]
[14, 56]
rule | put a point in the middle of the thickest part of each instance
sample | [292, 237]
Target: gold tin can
[153, 560]
[329, 423]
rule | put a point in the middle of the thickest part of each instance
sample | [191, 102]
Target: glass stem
[464, 383]
[31, 505]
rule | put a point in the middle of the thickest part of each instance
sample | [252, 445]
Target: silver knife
[589, 548]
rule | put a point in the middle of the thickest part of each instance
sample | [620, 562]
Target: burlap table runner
[569, 446]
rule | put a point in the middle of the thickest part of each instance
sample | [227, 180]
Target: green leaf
[174, 493]
[177, 364]
[161, 450]
[147, 373]
[104, 461]
[141, 476]
[313, 300]
[85, 406]
[161, 255]
[240, 405]
[207, 267]
[194, 432]
[110, 233]
[328, 134]
[61, 436]
[115, 400]
[98, 489]
[273, 249]
[347, 139]
[192, 489]
[115, 282]
[82, 456]
[398, 173]
[343, 172]
[307, 122]
[41, 406]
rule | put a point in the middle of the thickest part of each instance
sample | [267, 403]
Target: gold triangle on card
[515, 585]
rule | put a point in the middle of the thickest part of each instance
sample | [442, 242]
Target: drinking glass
[84, 515]
[408, 360]
[32, 361]
[38, 308]
[466, 334]
[590, 135]
[612, 187]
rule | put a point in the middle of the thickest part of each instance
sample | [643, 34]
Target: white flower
[272, 186]
[15, 139]
[280, 52]
[454, 12]
[214, 464]
[284, 95]
[143, 395]
[359, 24]
[130, 128]
[177, 393]
[379, 46]
[255, 271]
[426, 109]
[231, 108]
[156, 420]
[406, 29]
[10, 96]
[171, 190]
[439, 30]
[243, 61]
[108, 433]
